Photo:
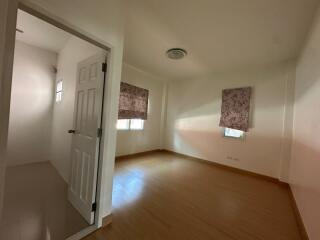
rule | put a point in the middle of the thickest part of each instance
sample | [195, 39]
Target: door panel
[85, 141]
[91, 121]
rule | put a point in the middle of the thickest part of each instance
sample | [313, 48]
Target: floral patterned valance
[235, 108]
[133, 102]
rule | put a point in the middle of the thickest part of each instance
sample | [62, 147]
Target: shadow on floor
[36, 205]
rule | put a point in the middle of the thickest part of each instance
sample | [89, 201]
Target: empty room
[50, 193]
[148, 119]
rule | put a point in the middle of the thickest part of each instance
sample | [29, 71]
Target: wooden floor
[167, 197]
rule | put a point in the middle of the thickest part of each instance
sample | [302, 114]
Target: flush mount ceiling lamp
[176, 53]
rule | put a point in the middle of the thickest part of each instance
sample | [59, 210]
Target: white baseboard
[83, 233]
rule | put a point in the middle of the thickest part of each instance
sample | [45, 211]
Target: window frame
[242, 137]
[136, 129]
[60, 91]
[129, 125]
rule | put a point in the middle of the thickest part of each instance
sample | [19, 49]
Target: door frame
[13, 6]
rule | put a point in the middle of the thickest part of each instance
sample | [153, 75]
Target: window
[133, 102]
[123, 124]
[229, 132]
[130, 124]
[136, 124]
[59, 91]
[235, 108]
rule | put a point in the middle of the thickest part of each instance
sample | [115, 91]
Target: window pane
[59, 86]
[229, 132]
[123, 124]
[58, 96]
[136, 124]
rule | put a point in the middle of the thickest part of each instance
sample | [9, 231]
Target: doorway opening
[54, 132]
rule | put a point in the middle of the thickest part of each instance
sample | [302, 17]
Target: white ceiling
[220, 35]
[39, 33]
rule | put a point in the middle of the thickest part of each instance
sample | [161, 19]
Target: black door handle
[71, 131]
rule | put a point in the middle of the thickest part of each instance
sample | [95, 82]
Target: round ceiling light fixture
[176, 53]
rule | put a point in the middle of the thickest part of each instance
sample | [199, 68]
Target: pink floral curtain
[235, 108]
[133, 102]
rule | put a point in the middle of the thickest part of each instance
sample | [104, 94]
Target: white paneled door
[86, 135]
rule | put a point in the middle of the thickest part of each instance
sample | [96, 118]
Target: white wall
[104, 22]
[288, 122]
[193, 115]
[129, 142]
[73, 52]
[31, 104]
[305, 164]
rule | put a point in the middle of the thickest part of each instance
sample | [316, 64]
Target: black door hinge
[104, 67]
[94, 207]
[99, 132]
